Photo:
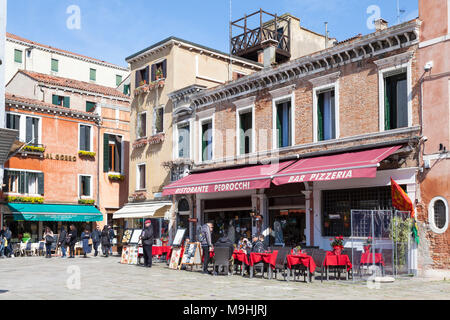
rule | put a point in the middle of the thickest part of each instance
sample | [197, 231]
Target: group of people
[256, 245]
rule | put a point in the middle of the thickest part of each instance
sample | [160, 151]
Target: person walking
[7, 234]
[205, 240]
[96, 236]
[85, 237]
[106, 241]
[147, 243]
[72, 240]
[112, 235]
[62, 241]
[49, 238]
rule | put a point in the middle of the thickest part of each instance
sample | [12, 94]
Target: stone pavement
[105, 278]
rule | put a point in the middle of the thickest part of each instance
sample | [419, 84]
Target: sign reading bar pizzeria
[60, 157]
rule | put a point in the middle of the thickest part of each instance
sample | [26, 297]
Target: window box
[145, 88]
[116, 177]
[24, 199]
[157, 138]
[138, 196]
[86, 154]
[140, 143]
[89, 202]
[34, 148]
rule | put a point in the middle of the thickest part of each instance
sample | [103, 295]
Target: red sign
[192, 219]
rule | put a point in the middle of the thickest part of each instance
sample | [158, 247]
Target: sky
[112, 30]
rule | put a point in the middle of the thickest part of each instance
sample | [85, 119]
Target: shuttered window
[326, 115]
[85, 186]
[142, 76]
[118, 79]
[245, 133]
[92, 74]
[12, 121]
[18, 55]
[61, 101]
[55, 65]
[85, 138]
[159, 70]
[395, 101]
[112, 153]
[23, 182]
[32, 131]
[90, 106]
[283, 123]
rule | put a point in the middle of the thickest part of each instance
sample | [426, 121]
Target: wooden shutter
[55, 100]
[279, 125]
[153, 72]
[82, 137]
[138, 78]
[164, 68]
[18, 56]
[17, 122]
[54, 65]
[88, 138]
[87, 185]
[320, 106]
[66, 102]
[41, 183]
[106, 152]
[29, 128]
[92, 74]
[118, 154]
[21, 182]
[242, 134]
[36, 130]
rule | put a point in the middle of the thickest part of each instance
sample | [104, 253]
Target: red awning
[362, 164]
[247, 178]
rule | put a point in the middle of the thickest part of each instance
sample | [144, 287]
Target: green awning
[54, 212]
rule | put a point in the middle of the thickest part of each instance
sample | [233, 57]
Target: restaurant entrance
[288, 228]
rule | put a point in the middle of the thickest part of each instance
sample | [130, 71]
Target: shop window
[61, 101]
[118, 80]
[23, 182]
[85, 138]
[32, 130]
[283, 124]
[112, 157]
[85, 186]
[18, 56]
[438, 214]
[140, 177]
[92, 74]
[54, 65]
[90, 106]
[184, 141]
[142, 125]
[13, 121]
[326, 115]
[245, 132]
[207, 140]
[158, 120]
[395, 101]
[337, 206]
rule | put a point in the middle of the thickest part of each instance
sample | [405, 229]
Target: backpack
[201, 235]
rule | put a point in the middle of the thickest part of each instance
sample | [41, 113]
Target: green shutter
[55, 100]
[279, 126]
[82, 138]
[90, 106]
[126, 89]
[88, 185]
[55, 65]
[28, 131]
[118, 80]
[106, 152]
[92, 74]
[41, 183]
[18, 56]
[320, 106]
[66, 102]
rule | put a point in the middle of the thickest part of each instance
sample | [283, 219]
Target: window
[90, 106]
[55, 65]
[142, 76]
[85, 138]
[326, 115]
[18, 56]
[61, 101]
[12, 121]
[283, 124]
[126, 89]
[92, 74]
[238, 75]
[159, 70]
[85, 186]
[438, 214]
[118, 79]
[140, 177]
[112, 157]
[142, 125]
[207, 140]
[184, 140]
[32, 130]
[158, 120]
[23, 182]
[245, 132]
[395, 101]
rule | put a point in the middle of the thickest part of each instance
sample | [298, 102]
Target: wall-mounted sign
[60, 157]
[284, 213]
[192, 219]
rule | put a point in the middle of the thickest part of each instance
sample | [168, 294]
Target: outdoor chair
[222, 261]
[308, 251]
[41, 248]
[318, 257]
[280, 263]
[28, 249]
[16, 250]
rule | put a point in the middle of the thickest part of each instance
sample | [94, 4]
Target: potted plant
[297, 250]
[26, 236]
[83, 153]
[337, 244]
[116, 177]
[159, 74]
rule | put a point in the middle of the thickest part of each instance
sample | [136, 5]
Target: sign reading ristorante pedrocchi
[60, 157]
[220, 187]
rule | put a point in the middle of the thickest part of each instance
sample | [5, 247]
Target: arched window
[438, 214]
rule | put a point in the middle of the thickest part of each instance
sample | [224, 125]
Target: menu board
[175, 258]
[127, 235]
[125, 255]
[133, 259]
[192, 254]
[135, 237]
[178, 237]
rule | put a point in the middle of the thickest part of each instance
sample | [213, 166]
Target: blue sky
[114, 29]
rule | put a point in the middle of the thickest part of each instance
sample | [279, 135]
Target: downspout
[98, 167]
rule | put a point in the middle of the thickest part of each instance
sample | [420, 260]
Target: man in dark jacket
[147, 243]
[225, 242]
[258, 244]
[72, 240]
[112, 235]
[106, 241]
[62, 241]
[205, 239]
[95, 236]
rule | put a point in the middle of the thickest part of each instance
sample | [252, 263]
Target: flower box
[157, 138]
[34, 149]
[144, 88]
[140, 143]
[138, 196]
[89, 154]
[86, 201]
[116, 177]
[24, 199]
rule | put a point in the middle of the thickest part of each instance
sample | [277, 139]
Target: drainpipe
[98, 167]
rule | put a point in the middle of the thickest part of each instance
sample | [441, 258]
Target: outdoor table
[368, 258]
[266, 258]
[160, 250]
[301, 259]
[337, 260]
[239, 255]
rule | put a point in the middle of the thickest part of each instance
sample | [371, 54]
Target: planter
[140, 143]
[116, 177]
[13, 199]
[148, 87]
[86, 154]
[157, 138]
[86, 201]
[34, 149]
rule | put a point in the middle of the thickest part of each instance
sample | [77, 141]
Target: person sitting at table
[225, 242]
[258, 244]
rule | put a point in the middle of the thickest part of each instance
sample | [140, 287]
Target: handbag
[49, 239]
[90, 242]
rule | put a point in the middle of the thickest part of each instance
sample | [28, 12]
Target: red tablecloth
[303, 259]
[240, 256]
[332, 259]
[158, 251]
[367, 258]
[269, 258]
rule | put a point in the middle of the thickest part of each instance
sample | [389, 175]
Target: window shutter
[36, 130]
[40, 183]
[21, 182]
[18, 56]
[55, 100]
[118, 80]
[82, 138]
[29, 128]
[106, 152]
[17, 122]
[204, 142]
[153, 72]
[242, 134]
[138, 78]
[320, 105]
[54, 65]
[279, 125]
[118, 155]
[164, 68]
[88, 185]
[88, 138]
[66, 102]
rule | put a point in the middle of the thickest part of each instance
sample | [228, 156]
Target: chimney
[269, 52]
[381, 24]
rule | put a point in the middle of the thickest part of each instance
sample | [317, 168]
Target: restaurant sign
[60, 157]
[219, 187]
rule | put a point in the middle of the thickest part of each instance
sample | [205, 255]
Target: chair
[222, 260]
[16, 249]
[41, 248]
[318, 257]
[308, 251]
[280, 263]
[28, 249]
